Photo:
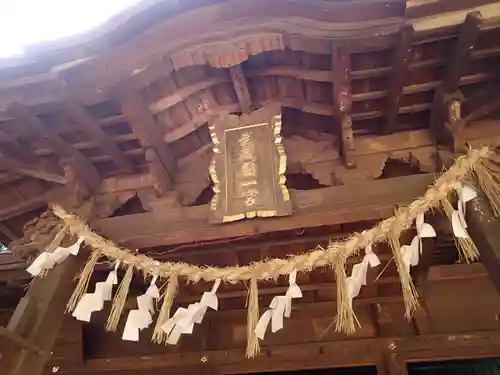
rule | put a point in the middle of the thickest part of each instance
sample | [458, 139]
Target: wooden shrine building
[140, 127]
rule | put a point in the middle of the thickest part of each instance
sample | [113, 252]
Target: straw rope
[272, 268]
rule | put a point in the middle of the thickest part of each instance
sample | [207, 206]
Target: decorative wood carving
[248, 166]
[230, 52]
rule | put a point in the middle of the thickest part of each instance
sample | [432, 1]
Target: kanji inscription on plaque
[248, 167]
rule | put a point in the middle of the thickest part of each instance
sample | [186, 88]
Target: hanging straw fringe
[487, 179]
[83, 281]
[61, 231]
[56, 241]
[467, 249]
[159, 335]
[344, 321]
[119, 300]
[253, 347]
[410, 295]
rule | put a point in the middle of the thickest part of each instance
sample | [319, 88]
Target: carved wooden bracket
[248, 166]
[446, 119]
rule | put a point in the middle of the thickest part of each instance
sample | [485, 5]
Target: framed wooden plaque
[248, 167]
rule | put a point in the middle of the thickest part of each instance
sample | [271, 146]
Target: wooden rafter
[80, 174]
[446, 121]
[397, 79]
[38, 171]
[342, 102]
[460, 57]
[241, 88]
[161, 161]
[79, 114]
[481, 104]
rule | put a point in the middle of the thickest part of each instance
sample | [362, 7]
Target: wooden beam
[341, 353]
[446, 121]
[480, 104]
[484, 229]
[342, 101]
[397, 79]
[328, 206]
[37, 318]
[69, 157]
[241, 88]
[459, 58]
[41, 131]
[38, 171]
[90, 125]
[160, 158]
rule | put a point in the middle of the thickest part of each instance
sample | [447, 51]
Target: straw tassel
[119, 300]
[253, 347]
[159, 335]
[467, 249]
[345, 314]
[83, 281]
[62, 230]
[56, 241]
[488, 183]
[410, 295]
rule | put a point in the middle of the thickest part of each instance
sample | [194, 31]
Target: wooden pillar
[484, 229]
[37, 319]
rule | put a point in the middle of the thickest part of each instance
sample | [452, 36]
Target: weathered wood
[79, 114]
[484, 229]
[480, 104]
[342, 101]
[241, 88]
[162, 164]
[458, 60]
[328, 206]
[446, 121]
[39, 171]
[422, 320]
[395, 364]
[397, 79]
[87, 173]
[446, 115]
[9, 340]
[38, 318]
[360, 352]
[41, 130]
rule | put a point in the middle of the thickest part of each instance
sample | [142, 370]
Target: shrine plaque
[248, 167]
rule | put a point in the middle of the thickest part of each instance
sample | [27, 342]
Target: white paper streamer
[359, 271]
[465, 194]
[183, 321]
[91, 302]
[411, 253]
[140, 318]
[279, 308]
[46, 260]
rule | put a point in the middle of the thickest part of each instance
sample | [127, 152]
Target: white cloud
[24, 22]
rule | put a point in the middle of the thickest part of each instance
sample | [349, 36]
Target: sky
[24, 22]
